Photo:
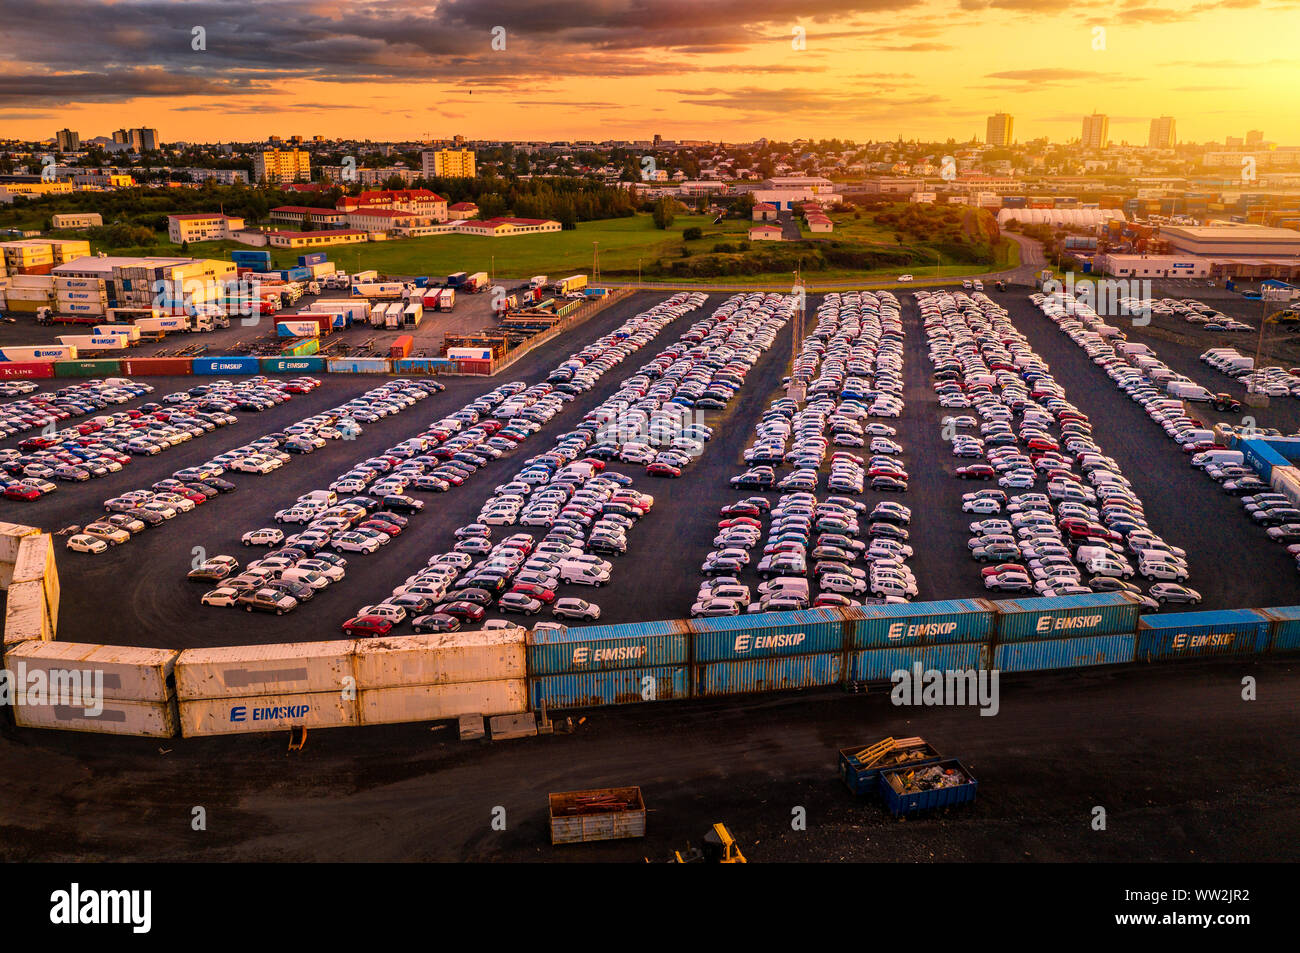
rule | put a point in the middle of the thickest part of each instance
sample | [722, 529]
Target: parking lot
[1231, 562]
[472, 313]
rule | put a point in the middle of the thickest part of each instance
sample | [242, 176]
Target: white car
[224, 596]
[982, 506]
[905, 278]
[267, 536]
[384, 610]
[81, 543]
[354, 543]
[569, 608]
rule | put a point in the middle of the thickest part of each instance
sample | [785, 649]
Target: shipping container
[767, 674]
[39, 353]
[157, 366]
[602, 814]
[626, 686]
[297, 328]
[457, 279]
[904, 798]
[1284, 628]
[28, 368]
[465, 366]
[11, 539]
[113, 717]
[387, 289]
[436, 659]
[864, 778]
[91, 342]
[1070, 652]
[469, 353]
[237, 715]
[358, 310]
[226, 365]
[283, 669]
[1202, 634]
[606, 647]
[767, 634]
[401, 347]
[1102, 613]
[119, 671]
[357, 365]
[423, 365]
[879, 665]
[918, 623]
[446, 299]
[312, 258]
[385, 706]
[292, 365]
[26, 616]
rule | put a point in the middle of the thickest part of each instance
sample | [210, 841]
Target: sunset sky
[627, 69]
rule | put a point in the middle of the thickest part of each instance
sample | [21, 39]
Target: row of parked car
[1025, 432]
[48, 409]
[558, 489]
[826, 538]
[1270, 380]
[1197, 312]
[1274, 511]
[850, 369]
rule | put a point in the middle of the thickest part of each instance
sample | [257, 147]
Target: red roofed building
[420, 202]
[765, 212]
[306, 186]
[320, 217]
[462, 211]
[376, 219]
[499, 227]
[765, 233]
[330, 236]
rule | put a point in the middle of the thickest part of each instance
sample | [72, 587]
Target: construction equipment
[719, 847]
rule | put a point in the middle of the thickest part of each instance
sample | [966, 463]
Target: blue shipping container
[767, 675]
[901, 803]
[767, 634]
[226, 365]
[1077, 652]
[879, 665]
[423, 365]
[607, 647]
[1284, 628]
[1102, 613]
[359, 365]
[920, 623]
[626, 686]
[292, 365]
[312, 258]
[1202, 634]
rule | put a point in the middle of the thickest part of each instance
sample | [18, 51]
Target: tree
[663, 212]
[692, 234]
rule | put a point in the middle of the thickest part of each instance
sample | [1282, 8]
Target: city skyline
[860, 69]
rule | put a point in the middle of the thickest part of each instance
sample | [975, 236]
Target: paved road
[1185, 770]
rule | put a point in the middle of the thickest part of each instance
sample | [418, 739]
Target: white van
[1217, 458]
[329, 497]
[785, 585]
[306, 577]
[1085, 555]
[583, 575]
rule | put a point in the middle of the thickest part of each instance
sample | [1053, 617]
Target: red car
[463, 611]
[367, 625]
[740, 509]
[383, 526]
[534, 591]
[1001, 568]
[194, 495]
[663, 470]
[976, 471]
[740, 521]
[26, 493]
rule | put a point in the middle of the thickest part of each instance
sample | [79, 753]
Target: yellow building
[282, 165]
[448, 163]
[201, 227]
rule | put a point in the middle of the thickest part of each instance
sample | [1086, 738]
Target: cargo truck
[476, 282]
[537, 281]
[570, 285]
[387, 289]
[457, 279]
[393, 315]
[446, 299]
[364, 277]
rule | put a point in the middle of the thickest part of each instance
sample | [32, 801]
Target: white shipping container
[383, 706]
[25, 616]
[12, 536]
[245, 670]
[438, 659]
[93, 308]
[32, 282]
[240, 715]
[79, 284]
[322, 269]
[358, 309]
[118, 717]
[30, 294]
[129, 672]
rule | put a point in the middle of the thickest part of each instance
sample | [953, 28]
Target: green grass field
[623, 242]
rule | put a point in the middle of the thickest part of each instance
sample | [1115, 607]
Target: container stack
[435, 676]
[770, 651]
[29, 293]
[1221, 632]
[249, 688]
[608, 664]
[28, 257]
[32, 584]
[109, 689]
[80, 296]
[942, 636]
[1065, 631]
